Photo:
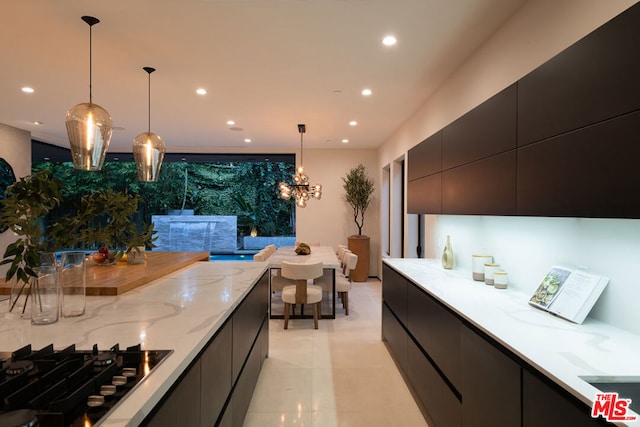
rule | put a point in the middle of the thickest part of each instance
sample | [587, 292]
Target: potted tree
[358, 191]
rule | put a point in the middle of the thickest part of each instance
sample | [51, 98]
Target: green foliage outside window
[212, 189]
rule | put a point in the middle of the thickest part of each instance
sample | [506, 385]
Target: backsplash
[526, 247]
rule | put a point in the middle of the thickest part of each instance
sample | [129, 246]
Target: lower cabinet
[545, 405]
[435, 395]
[216, 389]
[490, 384]
[461, 377]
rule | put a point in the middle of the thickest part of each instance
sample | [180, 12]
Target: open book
[570, 294]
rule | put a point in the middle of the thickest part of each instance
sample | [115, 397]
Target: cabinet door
[424, 195]
[485, 187]
[544, 405]
[593, 80]
[215, 367]
[243, 390]
[487, 130]
[438, 333]
[247, 321]
[425, 158]
[490, 384]
[588, 173]
[394, 292]
[182, 406]
[396, 338]
[440, 402]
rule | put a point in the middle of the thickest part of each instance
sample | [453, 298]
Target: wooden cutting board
[122, 277]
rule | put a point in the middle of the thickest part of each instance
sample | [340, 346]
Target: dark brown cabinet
[395, 337]
[490, 384]
[442, 405]
[559, 142]
[485, 187]
[487, 130]
[593, 80]
[217, 388]
[425, 158]
[438, 332]
[544, 405]
[394, 292]
[588, 173]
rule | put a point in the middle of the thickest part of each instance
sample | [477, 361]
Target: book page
[576, 290]
[550, 287]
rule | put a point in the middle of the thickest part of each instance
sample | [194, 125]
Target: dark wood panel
[440, 403]
[485, 187]
[394, 292]
[425, 158]
[488, 129]
[424, 195]
[243, 390]
[490, 384]
[437, 331]
[588, 173]
[396, 338]
[215, 367]
[594, 79]
[536, 394]
[247, 321]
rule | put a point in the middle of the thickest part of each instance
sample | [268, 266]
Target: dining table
[330, 263]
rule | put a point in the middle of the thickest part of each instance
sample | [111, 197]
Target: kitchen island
[475, 355]
[185, 311]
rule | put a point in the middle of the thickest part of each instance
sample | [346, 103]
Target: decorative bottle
[447, 255]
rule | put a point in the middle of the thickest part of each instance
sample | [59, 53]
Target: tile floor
[340, 375]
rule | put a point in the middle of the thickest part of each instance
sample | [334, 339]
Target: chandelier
[300, 189]
[88, 125]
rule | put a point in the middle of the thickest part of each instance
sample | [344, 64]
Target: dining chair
[301, 293]
[343, 282]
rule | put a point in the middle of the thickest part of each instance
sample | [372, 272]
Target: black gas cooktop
[69, 387]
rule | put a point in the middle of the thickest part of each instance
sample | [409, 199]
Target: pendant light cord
[90, 64]
[149, 109]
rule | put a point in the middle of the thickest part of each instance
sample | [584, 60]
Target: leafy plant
[358, 190]
[24, 209]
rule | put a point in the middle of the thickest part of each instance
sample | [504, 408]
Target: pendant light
[89, 125]
[148, 148]
[300, 189]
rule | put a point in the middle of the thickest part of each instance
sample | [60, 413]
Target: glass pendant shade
[148, 152]
[301, 191]
[89, 128]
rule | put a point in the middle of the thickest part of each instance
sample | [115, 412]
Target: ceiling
[266, 64]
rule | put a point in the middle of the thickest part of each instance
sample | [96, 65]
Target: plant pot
[360, 245]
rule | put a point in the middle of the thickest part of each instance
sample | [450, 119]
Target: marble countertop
[179, 312]
[561, 350]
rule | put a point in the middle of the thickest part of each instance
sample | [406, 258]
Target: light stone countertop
[180, 312]
[561, 350]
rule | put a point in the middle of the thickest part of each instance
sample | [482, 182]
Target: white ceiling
[267, 64]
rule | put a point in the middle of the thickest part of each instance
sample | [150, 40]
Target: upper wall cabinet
[592, 172]
[593, 80]
[488, 129]
[425, 158]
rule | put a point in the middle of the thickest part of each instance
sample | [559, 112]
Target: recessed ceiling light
[389, 40]
[247, 140]
[183, 159]
[366, 92]
[231, 122]
[47, 158]
[37, 123]
[201, 91]
[28, 89]
[345, 141]
[353, 123]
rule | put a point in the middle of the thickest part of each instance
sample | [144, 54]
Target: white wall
[15, 148]
[330, 220]
[527, 247]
